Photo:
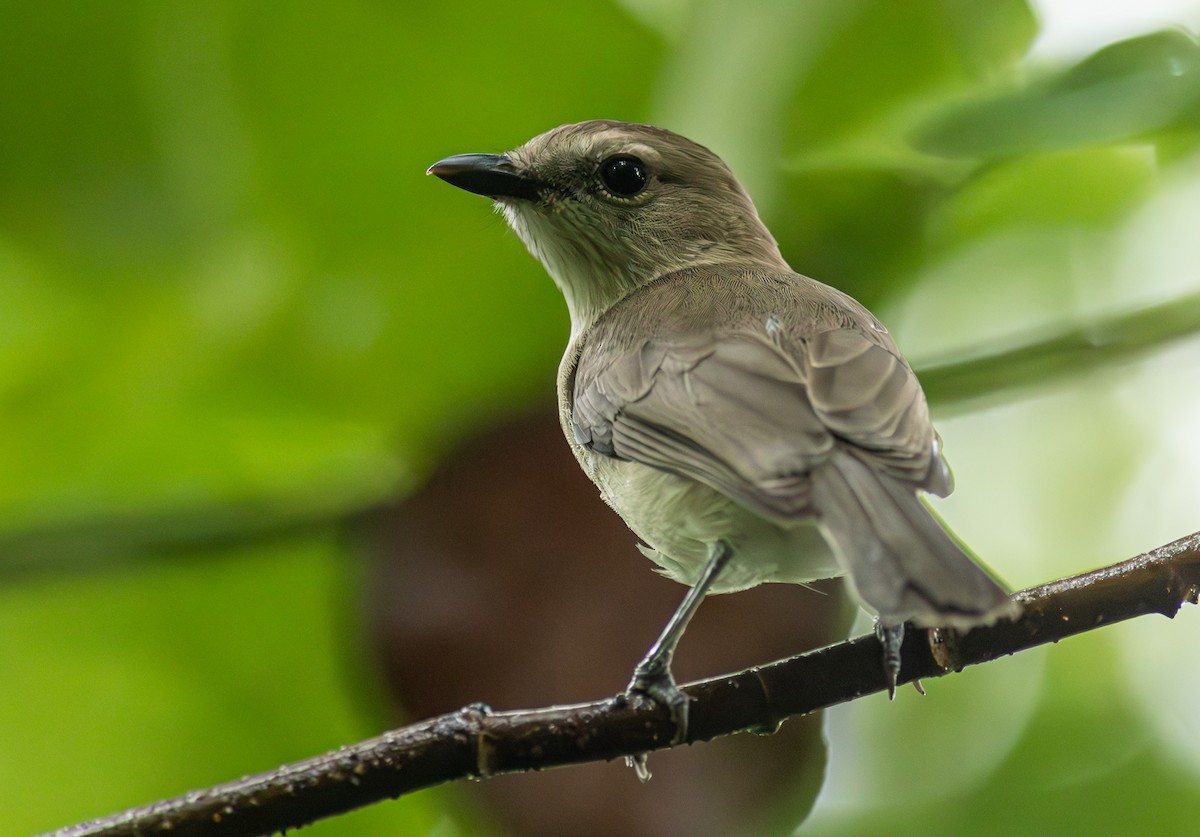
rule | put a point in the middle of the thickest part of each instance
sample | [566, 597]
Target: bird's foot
[652, 680]
[891, 637]
[640, 765]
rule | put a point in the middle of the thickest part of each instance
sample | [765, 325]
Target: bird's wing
[751, 413]
[868, 396]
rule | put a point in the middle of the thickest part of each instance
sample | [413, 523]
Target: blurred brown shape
[507, 580]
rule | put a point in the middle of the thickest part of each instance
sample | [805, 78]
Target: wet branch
[476, 742]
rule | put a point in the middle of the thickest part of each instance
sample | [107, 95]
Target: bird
[749, 424]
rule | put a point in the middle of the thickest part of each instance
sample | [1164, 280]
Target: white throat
[590, 280]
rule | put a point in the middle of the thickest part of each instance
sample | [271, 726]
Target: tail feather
[901, 561]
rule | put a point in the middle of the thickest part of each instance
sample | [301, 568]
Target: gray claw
[891, 637]
[658, 685]
[640, 766]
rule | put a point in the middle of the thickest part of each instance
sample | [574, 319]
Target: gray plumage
[789, 398]
[715, 395]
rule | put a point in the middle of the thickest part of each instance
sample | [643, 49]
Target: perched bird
[731, 410]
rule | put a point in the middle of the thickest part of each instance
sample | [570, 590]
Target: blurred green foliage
[231, 303]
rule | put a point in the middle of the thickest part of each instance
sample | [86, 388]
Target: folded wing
[752, 414]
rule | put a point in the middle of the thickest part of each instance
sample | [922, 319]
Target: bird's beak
[490, 175]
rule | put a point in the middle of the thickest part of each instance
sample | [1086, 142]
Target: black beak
[490, 175]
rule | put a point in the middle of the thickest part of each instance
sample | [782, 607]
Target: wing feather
[751, 410]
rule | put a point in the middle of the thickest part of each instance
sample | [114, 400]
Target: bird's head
[610, 206]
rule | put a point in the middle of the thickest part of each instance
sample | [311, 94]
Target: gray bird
[731, 410]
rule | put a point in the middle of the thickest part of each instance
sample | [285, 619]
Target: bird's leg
[891, 637]
[652, 677]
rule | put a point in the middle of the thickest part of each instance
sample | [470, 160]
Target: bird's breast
[680, 519]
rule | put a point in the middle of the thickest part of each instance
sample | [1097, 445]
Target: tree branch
[989, 376]
[476, 742]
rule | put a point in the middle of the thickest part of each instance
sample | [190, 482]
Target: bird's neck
[592, 289]
[592, 279]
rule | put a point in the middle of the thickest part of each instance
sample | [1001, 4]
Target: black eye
[623, 176]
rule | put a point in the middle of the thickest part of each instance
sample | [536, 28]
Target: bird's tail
[901, 561]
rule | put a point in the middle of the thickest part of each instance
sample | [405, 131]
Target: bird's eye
[623, 176]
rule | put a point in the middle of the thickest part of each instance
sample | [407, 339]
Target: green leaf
[1125, 90]
[886, 56]
[1058, 189]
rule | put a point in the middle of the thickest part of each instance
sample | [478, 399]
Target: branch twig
[476, 742]
[992, 376]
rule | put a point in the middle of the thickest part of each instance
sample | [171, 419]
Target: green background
[234, 311]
